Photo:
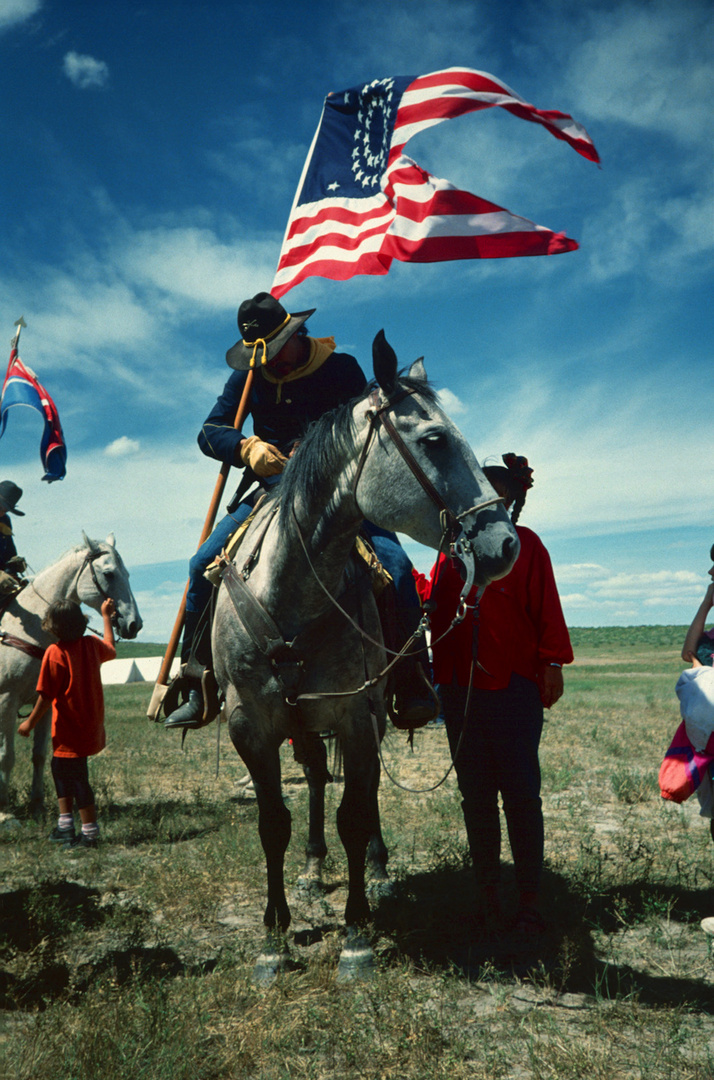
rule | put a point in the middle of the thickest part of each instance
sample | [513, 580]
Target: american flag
[21, 387]
[361, 202]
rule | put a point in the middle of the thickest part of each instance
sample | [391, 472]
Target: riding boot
[196, 662]
[413, 699]
[190, 714]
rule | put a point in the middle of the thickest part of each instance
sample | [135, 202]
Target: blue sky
[151, 154]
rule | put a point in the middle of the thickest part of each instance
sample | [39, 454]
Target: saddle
[284, 656]
[10, 586]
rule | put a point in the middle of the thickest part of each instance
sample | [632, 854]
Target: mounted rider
[297, 379]
[12, 565]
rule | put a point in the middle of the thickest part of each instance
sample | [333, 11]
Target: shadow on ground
[36, 925]
[430, 919]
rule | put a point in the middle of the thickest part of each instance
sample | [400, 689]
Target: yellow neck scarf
[320, 350]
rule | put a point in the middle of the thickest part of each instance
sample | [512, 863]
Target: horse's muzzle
[129, 628]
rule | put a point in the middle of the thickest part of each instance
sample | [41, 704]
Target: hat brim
[239, 355]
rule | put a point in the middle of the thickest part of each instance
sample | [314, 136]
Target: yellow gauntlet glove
[262, 457]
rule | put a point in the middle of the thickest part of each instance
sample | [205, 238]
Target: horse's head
[419, 474]
[103, 576]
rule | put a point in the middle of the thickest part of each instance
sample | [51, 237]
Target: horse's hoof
[381, 889]
[310, 888]
[310, 883]
[356, 959]
[270, 963]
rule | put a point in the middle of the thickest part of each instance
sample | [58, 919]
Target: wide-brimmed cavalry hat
[10, 495]
[265, 326]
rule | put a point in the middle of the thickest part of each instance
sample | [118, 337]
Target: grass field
[135, 961]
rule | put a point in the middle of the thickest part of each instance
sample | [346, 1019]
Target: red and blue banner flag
[21, 387]
[361, 202]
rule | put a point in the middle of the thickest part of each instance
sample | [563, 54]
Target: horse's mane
[312, 470]
[75, 550]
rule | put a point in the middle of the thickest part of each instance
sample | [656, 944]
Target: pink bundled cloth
[684, 768]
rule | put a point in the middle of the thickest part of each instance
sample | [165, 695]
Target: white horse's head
[432, 479]
[103, 576]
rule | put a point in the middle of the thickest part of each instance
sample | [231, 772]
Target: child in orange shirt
[70, 682]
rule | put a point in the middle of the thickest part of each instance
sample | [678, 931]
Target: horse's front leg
[377, 857]
[262, 759]
[7, 751]
[317, 776]
[41, 737]
[357, 823]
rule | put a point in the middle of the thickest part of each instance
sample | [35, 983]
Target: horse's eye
[434, 440]
[108, 574]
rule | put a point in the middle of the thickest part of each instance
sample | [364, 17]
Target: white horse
[88, 574]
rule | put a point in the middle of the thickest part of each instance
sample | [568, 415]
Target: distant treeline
[627, 637]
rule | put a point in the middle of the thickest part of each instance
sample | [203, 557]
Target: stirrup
[212, 702]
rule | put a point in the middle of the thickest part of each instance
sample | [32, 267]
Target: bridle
[452, 532]
[87, 561]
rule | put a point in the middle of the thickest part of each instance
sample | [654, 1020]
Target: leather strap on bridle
[449, 522]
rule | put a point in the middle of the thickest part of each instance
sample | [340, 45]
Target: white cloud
[451, 404]
[85, 71]
[609, 455]
[647, 66]
[395, 39]
[122, 447]
[574, 573]
[192, 263]
[14, 12]
[606, 596]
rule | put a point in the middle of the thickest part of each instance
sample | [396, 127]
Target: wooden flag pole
[162, 680]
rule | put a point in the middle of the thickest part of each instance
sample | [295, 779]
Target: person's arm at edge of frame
[698, 624]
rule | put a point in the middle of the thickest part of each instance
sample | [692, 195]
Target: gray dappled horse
[290, 662]
[89, 574]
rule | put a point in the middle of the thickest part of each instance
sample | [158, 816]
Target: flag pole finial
[19, 323]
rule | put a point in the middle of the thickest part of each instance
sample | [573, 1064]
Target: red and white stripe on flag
[435, 222]
[413, 216]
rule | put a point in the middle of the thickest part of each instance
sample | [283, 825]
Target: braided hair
[514, 477]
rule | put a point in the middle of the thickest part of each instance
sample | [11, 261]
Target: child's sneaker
[60, 835]
[81, 841]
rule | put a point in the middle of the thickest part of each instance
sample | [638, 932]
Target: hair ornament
[519, 467]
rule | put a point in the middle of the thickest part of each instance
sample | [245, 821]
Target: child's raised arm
[108, 609]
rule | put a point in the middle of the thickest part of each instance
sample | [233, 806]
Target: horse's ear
[417, 370]
[89, 543]
[384, 360]
[110, 541]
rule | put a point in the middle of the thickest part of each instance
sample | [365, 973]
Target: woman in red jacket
[522, 644]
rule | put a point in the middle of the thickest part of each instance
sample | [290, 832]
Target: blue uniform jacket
[7, 544]
[281, 422]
